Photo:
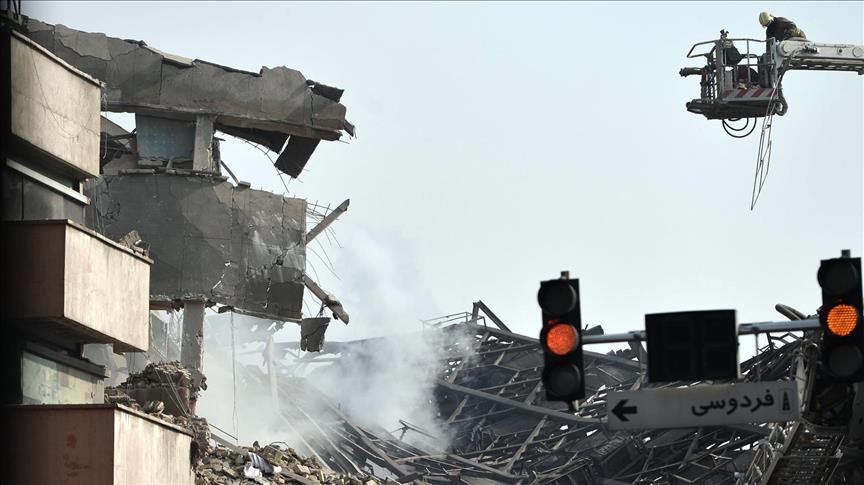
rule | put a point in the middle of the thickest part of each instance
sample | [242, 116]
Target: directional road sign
[704, 405]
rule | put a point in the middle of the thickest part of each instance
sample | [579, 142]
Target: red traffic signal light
[840, 316]
[842, 319]
[561, 340]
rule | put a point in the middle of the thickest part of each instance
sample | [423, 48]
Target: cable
[266, 154]
[727, 127]
[327, 264]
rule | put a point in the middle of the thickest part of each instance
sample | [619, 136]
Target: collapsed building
[212, 242]
[104, 225]
[499, 427]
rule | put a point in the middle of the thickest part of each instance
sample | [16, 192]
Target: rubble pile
[168, 382]
[214, 463]
[236, 466]
[159, 374]
[114, 395]
[196, 425]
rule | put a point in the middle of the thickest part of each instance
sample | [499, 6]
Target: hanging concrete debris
[312, 333]
[231, 245]
[267, 107]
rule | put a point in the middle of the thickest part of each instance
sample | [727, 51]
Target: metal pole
[758, 368]
[743, 329]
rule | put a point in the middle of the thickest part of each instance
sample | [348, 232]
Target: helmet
[765, 18]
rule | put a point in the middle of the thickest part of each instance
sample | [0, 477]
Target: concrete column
[271, 372]
[191, 351]
[203, 155]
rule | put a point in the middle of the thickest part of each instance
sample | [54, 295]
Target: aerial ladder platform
[742, 81]
[742, 78]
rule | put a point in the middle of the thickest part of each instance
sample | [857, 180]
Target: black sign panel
[692, 346]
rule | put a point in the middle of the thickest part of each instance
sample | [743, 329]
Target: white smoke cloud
[376, 382]
[389, 376]
[379, 382]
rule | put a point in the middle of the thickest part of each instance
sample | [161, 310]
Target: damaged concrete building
[105, 225]
[213, 242]
[226, 243]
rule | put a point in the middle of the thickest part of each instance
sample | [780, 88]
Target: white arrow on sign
[704, 405]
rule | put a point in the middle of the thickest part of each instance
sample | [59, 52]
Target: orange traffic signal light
[561, 340]
[842, 319]
[843, 338]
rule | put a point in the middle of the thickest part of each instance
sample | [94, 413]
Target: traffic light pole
[743, 329]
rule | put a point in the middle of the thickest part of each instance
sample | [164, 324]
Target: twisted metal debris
[503, 429]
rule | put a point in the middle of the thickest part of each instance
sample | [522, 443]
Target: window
[47, 382]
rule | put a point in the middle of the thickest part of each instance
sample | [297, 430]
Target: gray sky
[500, 143]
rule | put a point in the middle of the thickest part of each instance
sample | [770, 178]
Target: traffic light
[840, 317]
[561, 339]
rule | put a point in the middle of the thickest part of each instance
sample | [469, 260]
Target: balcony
[55, 109]
[92, 443]
[69, 284]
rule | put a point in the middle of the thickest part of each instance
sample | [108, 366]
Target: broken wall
[231, 245]
[269, 107]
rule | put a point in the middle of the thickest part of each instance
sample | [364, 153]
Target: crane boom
[803, 55]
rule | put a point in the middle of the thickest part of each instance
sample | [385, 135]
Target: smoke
[379, 383]
[387, 382]
[375, 381]
[238, 399]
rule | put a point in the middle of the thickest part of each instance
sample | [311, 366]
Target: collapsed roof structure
[503, 430]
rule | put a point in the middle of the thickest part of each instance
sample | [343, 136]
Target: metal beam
[482, 306]
[327, 299]
[476, 465]
[525, 444]
[327, 220]
[388, 461]
[594, 355]
[541, 411]
[743, 329]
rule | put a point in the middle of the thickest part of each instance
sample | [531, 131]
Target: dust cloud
[380, 383]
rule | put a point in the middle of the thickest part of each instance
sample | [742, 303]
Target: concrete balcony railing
[92, 443]
[55, 109]
[67, 283]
